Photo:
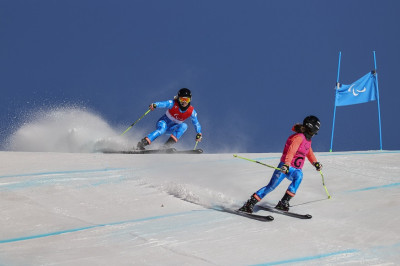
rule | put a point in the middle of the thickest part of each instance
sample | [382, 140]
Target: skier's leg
[276, 179]
[296, 176]
[177, 131]
[161, 128]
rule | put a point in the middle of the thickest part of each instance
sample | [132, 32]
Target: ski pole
[135, 122]
[254, 161]
[195, 146]
[323, 183]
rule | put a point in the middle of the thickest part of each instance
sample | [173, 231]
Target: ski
[291, 214]
[195, 151]
[262, 218]
[158, 151]
[170, 150]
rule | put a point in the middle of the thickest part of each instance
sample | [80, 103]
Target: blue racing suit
[295, 175]
[172, 121]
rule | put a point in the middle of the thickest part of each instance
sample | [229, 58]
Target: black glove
[318, 166]
[285, 168]
[152, 106]
[198, 137]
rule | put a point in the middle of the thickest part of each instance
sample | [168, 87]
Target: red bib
[176, 115]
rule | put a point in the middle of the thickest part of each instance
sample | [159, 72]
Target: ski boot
[249, 205]
[141, 144]
[283, 204]
[171, 141]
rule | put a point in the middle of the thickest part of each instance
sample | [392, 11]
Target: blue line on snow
[359, 153]
[376, 187]
[320, 256]
[95, 226]
[335, 154]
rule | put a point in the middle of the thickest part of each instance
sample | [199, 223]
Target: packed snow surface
[115, 209]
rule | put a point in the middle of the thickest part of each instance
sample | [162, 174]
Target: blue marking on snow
[267, 158]
[375, 187]
[95, 226]
[102, 176]
[65, 172]
[316, 257]
[338, 154]
[358, 153]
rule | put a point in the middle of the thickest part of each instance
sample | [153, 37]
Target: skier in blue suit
[172, 122]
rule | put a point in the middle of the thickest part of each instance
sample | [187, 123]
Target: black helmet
[312, 124]
[184, 92]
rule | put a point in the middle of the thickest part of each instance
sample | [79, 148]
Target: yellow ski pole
[135, 122]
[254, 161]
[270, 166]
[323, 183]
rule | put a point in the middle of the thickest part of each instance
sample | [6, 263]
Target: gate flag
[361, 91]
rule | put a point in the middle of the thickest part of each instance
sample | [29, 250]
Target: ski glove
[318, 166]
[285, 168]
[152, 106]
[198, 137]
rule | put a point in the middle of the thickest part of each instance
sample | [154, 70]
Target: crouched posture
[172, 122]
[297, 148]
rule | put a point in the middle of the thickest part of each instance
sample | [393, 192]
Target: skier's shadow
[309, 202]
[299, 204]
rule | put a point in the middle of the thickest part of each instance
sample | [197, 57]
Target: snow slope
[110, 209]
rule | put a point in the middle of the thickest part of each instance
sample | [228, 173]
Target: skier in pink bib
[172, 122]
[297, 148]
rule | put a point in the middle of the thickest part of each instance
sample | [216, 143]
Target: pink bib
[301, 153]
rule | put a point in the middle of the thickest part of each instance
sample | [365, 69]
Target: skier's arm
[313, 160]
[195, 122]
[164, 104]
[311, 156]
[294, 146]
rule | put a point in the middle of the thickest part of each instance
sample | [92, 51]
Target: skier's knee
[183, 127]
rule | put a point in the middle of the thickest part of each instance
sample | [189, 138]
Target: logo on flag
[361, 91]
[355, 91]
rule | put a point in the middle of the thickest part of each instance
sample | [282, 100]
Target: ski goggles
[313, 129]
[184, 99]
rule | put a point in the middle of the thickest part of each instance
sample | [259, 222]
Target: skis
[160, 151]
[262, 218]
[195, 151]
[291, 214]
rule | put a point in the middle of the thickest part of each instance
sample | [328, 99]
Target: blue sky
[254, 67]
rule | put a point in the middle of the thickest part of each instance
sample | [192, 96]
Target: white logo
[356, 92]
